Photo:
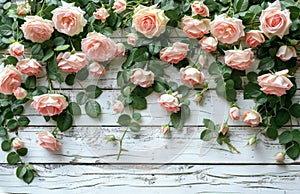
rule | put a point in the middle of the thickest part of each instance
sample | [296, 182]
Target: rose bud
[142, 78]
[20, 93]
[191, 76]
[285, 53]
[96, 69]
[254, 38]
[223, 128]
[280, 157]
[209, 44]
[118, 106]
[17, 143]
[101, 14]
[120, 50]
[16, 49]
[251, 141]
[132, 39]
[251, 118]
[165, 128]
[200, 9]
[234, 113]
[119, 6]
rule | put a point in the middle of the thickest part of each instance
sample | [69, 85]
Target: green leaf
[294, 12]
[138, 102]
[251, 90]
[81, 98]
[5, 30]
[23, 121]
[296, 135]
[93, 91]
[93, 109]
[64, 121]
[62, 47]
[70, 79]
[183, 90]
[3, 132]
[178, 119]
[74, 108]
[293, 150]
[167, 5]
[272, 132]
[58, 41]
[134, 127]
[240, 5]
[21, 171]
[285, 137]
[7, 113]
[11, 60]
[6, 145]
[266, 64]
[295, 110]
[18, 110]
[136, 116]
[28, 177]
[22, 151]
[124, 120]
[220, 88]
[7, 5]
[140, 55]
[48, 55]
[252, 77]
[206, 135]
[255, 9]
[12, 124]
[160, 86]
[140, 91]
[82, 74]
[209, 124]
[30, 82]
[13, 158]
[282, 117]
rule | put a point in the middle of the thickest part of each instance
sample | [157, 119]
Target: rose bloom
[170, 102]
[234, 113]
[101, 14]
[23, 9]
[48, 141]
[254, 38]
[191, 76]
[274, 22]
[119, 6]
[10, 79]
[118, 106]
[174, 54]
[37, 29]
[96, 69]
[200, 9]
[239, 59]
[194, 28]
[17, 143]
[276, 84]
[16, 49]
[68, 19]
[149, 21]
[285, 53]
[209, 44]
[251, 118]
[227, 30]
[120, 50]
[68, 62]
[29, 67]
[132, 39]
[49, 104]
[142, 78]
[20, 93]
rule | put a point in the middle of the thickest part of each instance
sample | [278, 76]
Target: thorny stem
[121, 143]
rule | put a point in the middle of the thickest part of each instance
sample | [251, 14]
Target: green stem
[41, 10]
[121, 143]
[231, 147]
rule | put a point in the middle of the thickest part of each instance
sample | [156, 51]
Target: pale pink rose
[251, 118]
[276, 84]
[280, 157]
[202, 59]
[285, 52]
[132, 39]
[239, 59]
[96, 69]
[142, 78]
[234, 113]
[23, 9]
[174, 54]
[223, 128]
[254, 38]
[17, 143]
[20, 93]
[209, 44]
[68, 62]
[118, 106]
[101, 14]
[68, 19]
[48, 141]
[149, 21]
[37, 29]
[49, 104]
[119, 6]
[10, 79]
[170, 102]
[227, 30]
[29, 66]
[120, 50]
[200, 9]
[165, 129]
[198, 98]
[194, 28]
[98, 47]
[16, 49]
[191, 76]
[274, 22]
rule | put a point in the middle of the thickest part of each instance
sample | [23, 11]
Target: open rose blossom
[10, 79]
[118, 106]
[285, 53]
[16, 49]
[68, 62]
[170, 102]
[234, 113]
[276, 84]
[119, 6]
[48, 141]
[149, 21]
[132, 39]
[142, 78]
[251, 118]
[29, 66]
[98, 47]
[254, 38]
[174, 54]
[68, 19]
[191, 76]
[209, 44]
[20, 93]
[49, 104]
[17, 143]
[239, 59]
[37, 29]
[274, 22]
[200, 9]
[194, 28]
[120, 50]
[227, 30]
[96, 69]
[101, 14]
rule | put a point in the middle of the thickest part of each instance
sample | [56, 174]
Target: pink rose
[280, 157]
[274, 22]
[132, 39]
[17, 143]
[68, 19]
[276, 84]
[194, 28]
[234, 113]
[239, 59]
[170, 102]
[200, 9]
[149, 21]
[98, 47]
[48, 141]
[68, 62]
[254, 38]
[10, 79]
[23, 9]
[101, 14]
[202, 59]
[120, 50]
[49, 104]
[118, 106]
[227, 30]
[96, 69]
[191, 76]
[119, 6]
[142, 78]
[16, 49]
[174, 54]
[285, 53]
[37, 29]
[209, 44]
[251, 118]
[20, 93]
[223, 128]
[29, 67]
